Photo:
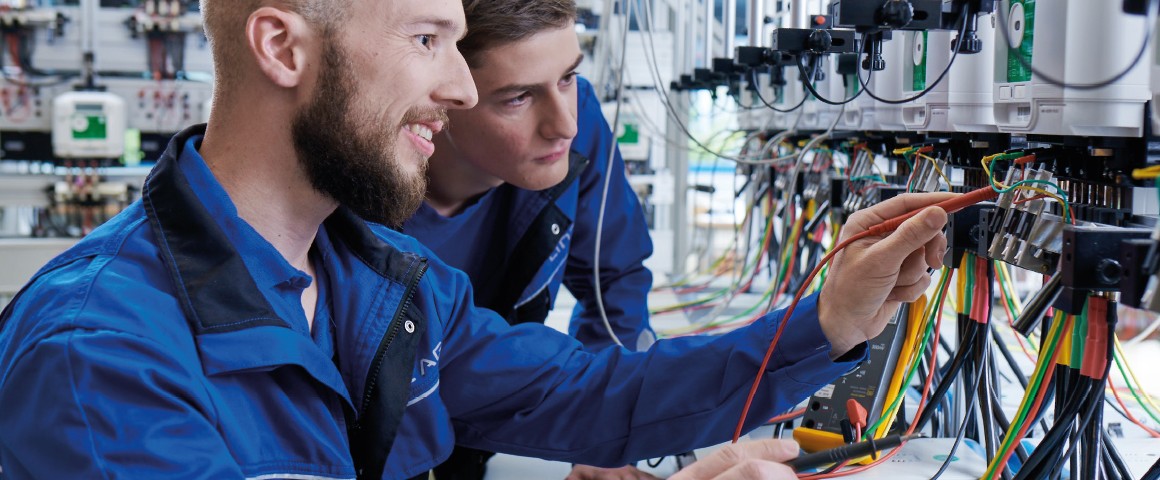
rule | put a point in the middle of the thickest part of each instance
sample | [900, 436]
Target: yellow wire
[1146, 173]
[1002, 186]
[961, 287]
[936, 168]
[915, 330]
[1139, 387]
[1042, 363]
[1011, 287]
[1065, 342]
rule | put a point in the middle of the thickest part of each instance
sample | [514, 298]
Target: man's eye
[425, 40]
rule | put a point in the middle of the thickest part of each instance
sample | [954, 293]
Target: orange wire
[1034, 411]
[787, 416]
[781, 327]
[1011, 322]
[1128, 413]
[921, 402]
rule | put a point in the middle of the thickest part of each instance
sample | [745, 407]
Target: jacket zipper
[396, 322]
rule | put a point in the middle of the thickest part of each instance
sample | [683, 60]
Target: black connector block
[1135, 278]
[866, 16]
[847, 64]
[838, 187]
[886, 193]
[809, 40]
[752, 56]
[966, 231]
[726, 67]
[1090, 262]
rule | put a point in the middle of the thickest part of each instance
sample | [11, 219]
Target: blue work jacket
[171, 343]
[518, 246]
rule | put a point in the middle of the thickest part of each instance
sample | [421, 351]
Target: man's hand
[873, 276]
[756, 460]
[585, 472]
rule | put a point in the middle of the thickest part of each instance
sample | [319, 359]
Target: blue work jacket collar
[236, 327]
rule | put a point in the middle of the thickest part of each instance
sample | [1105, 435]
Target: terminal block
[1021, 231]
[1091, 263]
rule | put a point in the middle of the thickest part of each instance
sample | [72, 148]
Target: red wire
[1128, 413]
[951, 205]
[921, 402]
[1034, 408]
[787, 416]
[781, 327]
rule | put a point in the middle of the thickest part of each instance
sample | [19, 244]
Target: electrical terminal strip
[29, 17]
[1023, 233]
[164, 16]
[1151, 300]
[927, 177]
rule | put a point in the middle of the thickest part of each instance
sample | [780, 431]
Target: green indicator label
[852, 86]
[133, 153]
[631, 135]
[918, 82]
[1021, 27]
[89, 127]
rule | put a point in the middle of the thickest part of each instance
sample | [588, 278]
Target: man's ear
[278, 41]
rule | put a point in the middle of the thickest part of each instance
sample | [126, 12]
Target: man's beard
[347, 158]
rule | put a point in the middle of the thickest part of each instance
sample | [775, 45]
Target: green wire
[1139, 400]
[1058, 190]
[1078, 336]
[1033, 388]
[914, 365]
[1009, 295]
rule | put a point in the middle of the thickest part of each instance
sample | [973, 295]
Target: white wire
[608, 176]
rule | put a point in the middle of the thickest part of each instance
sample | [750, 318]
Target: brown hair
[225, 27]
[492, 23]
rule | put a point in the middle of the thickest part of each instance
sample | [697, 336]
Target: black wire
[1033, 312]
[1111, 470]
[1002, 27]
[654, 465]
[743, 106]
[810, 86]
[1152, 473]
[770, 106]
[962, 427]
[1089, 414]
[1052, 443]
[1005, 424]
[951, 63]
[949, 378]
[1109, 451]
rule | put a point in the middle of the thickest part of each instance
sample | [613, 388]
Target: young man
[243, 321]
[515, 187]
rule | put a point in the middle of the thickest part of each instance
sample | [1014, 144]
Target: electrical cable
[1152, 473]
[757, 92]
[951, 63]
[661, 92]
[813, 91]
[950, 206]
[966, 419]
[1018, 54]
[608, 181]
